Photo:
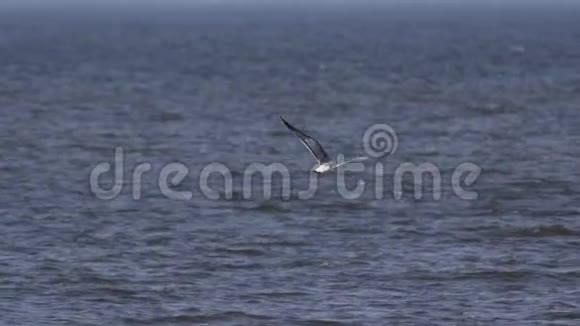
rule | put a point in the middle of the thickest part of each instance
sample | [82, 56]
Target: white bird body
[324, 167]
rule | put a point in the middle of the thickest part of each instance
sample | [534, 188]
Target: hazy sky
[172, 3]
[169, 2]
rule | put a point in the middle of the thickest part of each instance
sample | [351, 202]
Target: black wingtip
[286, 123]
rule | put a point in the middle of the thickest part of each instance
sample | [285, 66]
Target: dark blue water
[497, 88]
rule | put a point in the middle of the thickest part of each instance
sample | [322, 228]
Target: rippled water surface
[500, 89]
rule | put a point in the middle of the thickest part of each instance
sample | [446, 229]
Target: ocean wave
[554, 230]
[199, 318]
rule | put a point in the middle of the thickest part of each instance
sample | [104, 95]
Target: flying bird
[324, 163]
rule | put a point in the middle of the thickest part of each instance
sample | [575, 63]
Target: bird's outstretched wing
[312, 144]
[356, 159]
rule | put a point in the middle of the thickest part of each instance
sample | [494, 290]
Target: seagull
[325, 164]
